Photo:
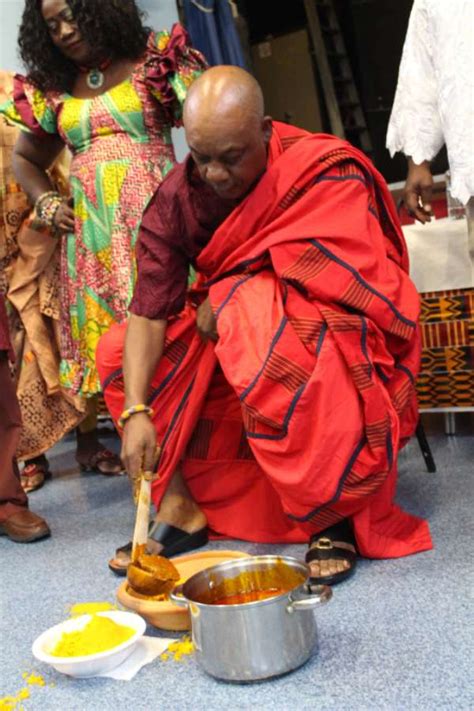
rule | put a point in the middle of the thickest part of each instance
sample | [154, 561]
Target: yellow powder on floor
[90, 608]
[11, 703]
[33, 679]
[179, 649]
[99, 635]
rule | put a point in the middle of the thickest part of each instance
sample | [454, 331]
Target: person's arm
[418, 190]
[32, 156]
[144, 343]
[415, 126]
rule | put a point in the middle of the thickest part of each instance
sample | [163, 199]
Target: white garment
[434, 101]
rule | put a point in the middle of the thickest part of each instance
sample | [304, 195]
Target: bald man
[271, 398]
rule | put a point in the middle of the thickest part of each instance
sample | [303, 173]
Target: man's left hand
[206, 323]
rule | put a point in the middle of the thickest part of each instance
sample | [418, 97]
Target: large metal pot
[252, 640]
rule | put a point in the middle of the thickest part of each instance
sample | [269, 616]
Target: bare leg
[177, 509]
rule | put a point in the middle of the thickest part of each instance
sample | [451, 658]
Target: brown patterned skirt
[29, 275]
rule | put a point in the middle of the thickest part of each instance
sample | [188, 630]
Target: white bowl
[91, 664]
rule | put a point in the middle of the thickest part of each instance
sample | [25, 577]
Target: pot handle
[176, 596]
[315, 595]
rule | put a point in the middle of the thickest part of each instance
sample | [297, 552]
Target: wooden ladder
[342, 100]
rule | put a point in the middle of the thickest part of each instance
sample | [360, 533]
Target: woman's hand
[63, 219]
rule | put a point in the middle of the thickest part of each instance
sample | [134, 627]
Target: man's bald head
[226, 129]
[224, 89]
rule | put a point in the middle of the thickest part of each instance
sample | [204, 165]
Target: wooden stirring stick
[140, 533]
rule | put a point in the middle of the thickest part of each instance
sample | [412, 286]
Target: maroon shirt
[4, 332]
[178, 223]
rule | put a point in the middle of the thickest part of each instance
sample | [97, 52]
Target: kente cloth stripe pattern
[357, 296]
[342, 322]
[308, 329]
[447, 360]
[310, 264]
[361, 375]
[284, 371]
[377, 432]
[175, 351]
[244, 451]
[198, 447]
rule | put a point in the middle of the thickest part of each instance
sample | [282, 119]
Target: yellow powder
[176, 650]
[33, 679]
[98, 635]
[90, 608]
[10, 703]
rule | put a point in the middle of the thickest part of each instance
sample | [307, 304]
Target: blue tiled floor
[396, 636]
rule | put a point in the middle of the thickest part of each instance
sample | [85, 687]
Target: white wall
[161, 15]
[10, 16]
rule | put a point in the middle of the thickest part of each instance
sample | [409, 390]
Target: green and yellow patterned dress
[122, 149]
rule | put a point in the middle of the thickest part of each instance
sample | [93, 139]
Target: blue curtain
[212, 29]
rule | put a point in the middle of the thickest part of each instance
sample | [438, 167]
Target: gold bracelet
[134, 410]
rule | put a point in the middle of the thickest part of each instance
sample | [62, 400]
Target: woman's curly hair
[114, 27]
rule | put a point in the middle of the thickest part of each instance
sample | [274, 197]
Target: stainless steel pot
[252, 640]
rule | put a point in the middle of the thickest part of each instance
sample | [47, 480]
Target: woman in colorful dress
[29, 267]
[104, 85]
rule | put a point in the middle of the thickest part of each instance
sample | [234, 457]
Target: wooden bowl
[164, 614]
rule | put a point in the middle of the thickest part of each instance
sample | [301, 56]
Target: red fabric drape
[295, 418]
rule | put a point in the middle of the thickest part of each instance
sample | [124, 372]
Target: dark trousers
[12, 496]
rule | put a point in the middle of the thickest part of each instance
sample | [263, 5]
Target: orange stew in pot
[251, 596]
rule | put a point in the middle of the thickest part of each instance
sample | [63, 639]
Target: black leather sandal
[323, 548]
[174, 541]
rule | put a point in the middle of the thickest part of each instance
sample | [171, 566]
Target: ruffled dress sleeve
[30, 109]
[171, 66]
[415, 124]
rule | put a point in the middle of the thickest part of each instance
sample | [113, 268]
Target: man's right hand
[418, 190]
[139, 445]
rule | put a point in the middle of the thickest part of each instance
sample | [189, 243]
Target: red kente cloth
[294, 419]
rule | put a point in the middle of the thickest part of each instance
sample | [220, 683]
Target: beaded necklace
[95, 75]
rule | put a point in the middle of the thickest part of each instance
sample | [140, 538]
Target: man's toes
[122, 558]
[153, 547]
[325, 568]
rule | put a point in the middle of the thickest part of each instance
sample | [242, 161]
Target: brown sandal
[91, 462]
[34, 474]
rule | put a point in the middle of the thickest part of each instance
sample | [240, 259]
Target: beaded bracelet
[126, 414]
[46, 207]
